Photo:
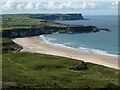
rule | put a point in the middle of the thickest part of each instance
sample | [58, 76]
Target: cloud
[70, 5]
[8, 5]
[20, 6]
[115, 5]
[11, 5]
[87, 6]
[51, 5]
[47, 5]
[8, 0]
[37, 5]
[29, 6]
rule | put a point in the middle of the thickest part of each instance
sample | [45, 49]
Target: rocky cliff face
[83, 29]
[22, 32]
[47, 30]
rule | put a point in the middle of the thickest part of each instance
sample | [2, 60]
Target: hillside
[31, 70]
[44, 71]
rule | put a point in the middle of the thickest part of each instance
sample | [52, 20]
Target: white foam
[67, 43]
[89, 50]
[46, 40]
[83, 49]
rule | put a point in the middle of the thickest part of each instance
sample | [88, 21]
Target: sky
[86, 7]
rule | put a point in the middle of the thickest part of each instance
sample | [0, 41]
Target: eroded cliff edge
[27, 32]
[26, 25]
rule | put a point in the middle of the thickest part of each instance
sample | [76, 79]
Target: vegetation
[31, 70]
[8, 45]
[24, 21]
[81, 66]
[54, 17]
[44, 71]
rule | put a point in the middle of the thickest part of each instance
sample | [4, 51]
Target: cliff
[25, 25]
[22, 32]
[54, 17]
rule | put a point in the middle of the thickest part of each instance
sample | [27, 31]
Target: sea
[105, 43]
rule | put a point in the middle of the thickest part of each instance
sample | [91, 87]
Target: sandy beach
[38, 45]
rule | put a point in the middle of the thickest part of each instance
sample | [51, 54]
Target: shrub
[81, 66]
[58, 66]
[111, 86]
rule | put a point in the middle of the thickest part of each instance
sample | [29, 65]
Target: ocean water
[101, 42]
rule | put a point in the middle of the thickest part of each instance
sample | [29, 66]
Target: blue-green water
[100, 42]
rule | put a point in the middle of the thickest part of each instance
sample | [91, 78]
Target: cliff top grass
[24, 21]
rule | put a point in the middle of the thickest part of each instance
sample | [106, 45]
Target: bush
[81, 66]
[58, 66]
[111, 86]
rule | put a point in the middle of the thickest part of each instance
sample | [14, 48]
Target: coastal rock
[27, 32]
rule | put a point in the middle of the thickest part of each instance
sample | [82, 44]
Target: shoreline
[99, 52]
[38, 45]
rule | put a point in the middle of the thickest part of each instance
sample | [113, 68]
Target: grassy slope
[37, 70]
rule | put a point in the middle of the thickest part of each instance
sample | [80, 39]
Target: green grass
[14, 28]
[45, 71]
[18, 20]
[24, 21]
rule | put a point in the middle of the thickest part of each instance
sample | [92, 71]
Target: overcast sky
[86, 7]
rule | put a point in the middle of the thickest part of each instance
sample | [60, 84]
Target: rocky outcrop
[26, 32]
[104, 29]
[83, 29]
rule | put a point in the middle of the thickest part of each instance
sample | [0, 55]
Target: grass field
[10, 22]
[44, 71]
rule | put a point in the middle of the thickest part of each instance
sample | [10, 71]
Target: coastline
[82, 49]
[38, 45]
